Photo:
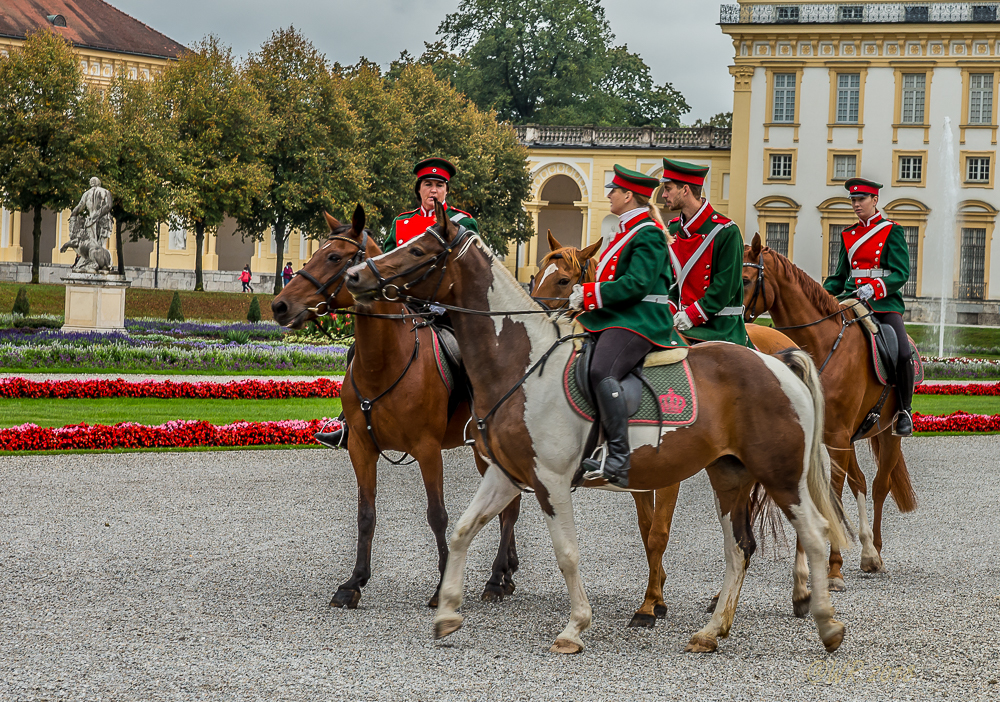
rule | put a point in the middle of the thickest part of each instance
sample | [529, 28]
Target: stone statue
[88, 234]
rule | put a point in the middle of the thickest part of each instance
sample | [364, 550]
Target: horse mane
[815, 293]
[566, 253]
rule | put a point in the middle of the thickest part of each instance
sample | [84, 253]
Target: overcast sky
[678, 39]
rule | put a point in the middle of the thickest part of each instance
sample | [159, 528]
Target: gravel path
[206, 576]
[138, 377]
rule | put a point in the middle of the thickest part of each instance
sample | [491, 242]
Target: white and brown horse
[758, 421]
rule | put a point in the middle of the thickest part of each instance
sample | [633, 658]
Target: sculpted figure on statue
[89, 232]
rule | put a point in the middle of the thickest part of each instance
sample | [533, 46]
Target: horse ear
[331, 221]
[358, 220]
[755, 245]
[554, 244]
[442, 220]
[590, 250]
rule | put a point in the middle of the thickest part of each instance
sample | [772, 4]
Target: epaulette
[721, 219]
[675, 220]
[408, 213]
[459, 211]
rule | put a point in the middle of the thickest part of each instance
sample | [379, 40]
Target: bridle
[584, 266]
[758, 291]
[321, 288]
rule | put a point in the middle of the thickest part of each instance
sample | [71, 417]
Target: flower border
[23, 388]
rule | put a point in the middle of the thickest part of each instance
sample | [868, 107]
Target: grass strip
[941, 405]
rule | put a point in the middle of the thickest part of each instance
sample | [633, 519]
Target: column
[740, 153]
[10, 236]
[62, 236]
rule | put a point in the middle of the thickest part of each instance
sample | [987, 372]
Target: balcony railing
[625, 137]
[864, 12]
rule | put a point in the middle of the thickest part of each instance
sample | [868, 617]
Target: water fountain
[944, 221]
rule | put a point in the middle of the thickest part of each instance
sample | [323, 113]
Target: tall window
[913, 97]
[836, 242]
[845, 166]
[911, 168]
[784, 97]
[776, 237]
[848, 97]
[972, 274]
[912, 245]
[981, 98]
[781, 166]
[977, 169]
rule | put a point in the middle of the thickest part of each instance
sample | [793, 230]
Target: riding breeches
[618, 351]
[895, 320]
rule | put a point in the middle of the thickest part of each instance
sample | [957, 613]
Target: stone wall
[928, 310]
[141, 277]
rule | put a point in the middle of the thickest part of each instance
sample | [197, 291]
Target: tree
[311, 161]
[175, 314]
[221, 127]
[550, 61]
[21, 305]
[46, 120]
[723, 120]
[138, 158]
[253, 314]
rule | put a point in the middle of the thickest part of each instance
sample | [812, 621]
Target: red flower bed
[987, 389]
[233, 390]
[957, 421]
[175, 434]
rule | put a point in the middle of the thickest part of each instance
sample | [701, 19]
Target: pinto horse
[395, 364]
[533, 438]
[816, 322]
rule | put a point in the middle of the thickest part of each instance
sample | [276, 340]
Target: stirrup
[325, 437]
[909, 415]
[597, 473]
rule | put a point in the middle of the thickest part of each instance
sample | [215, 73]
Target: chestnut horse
[815, 321]
[533, 438]
[395, 363]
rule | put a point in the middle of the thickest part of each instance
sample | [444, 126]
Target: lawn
[155, 411]
[143, 302]
[946, 404]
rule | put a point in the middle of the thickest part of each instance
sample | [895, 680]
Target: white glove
[865, 291]
[682, 322]
[576, 298]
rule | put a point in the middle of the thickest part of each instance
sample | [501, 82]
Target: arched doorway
[559, 214]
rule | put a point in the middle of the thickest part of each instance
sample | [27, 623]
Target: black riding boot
[338, 437]
[904, 391]
[614, 418]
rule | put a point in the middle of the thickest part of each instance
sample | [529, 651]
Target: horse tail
[818, 472]
[901, 488]
[766, 517]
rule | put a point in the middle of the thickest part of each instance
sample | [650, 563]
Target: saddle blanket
[883, 372]
[675, 395]
[444, 368]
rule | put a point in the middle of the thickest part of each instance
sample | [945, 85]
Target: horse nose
[354, 276]
[278, 308]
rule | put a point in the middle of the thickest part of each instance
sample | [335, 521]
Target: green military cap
[681, 172]
[859, 187]
[637, 182]
[435, 168]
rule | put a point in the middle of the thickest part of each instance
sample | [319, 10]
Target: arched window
[561, 214]
[776, 218]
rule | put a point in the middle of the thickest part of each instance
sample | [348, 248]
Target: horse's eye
[416, 252]
[334, 258]
[746, 282]
[564, 281]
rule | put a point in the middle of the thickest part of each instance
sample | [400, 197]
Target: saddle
[448, 357]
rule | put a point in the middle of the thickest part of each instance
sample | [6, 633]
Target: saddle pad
[665, 357]
[883, 373]
[444, 368]
[674, 387]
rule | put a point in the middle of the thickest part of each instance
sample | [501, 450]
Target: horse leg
[870, 560]
[800, 582]
[732, 485]
[889, 454]
[365, 461]
[494, 493]
[655, 516]
[835, 577]
[501, 582]
[432, 471]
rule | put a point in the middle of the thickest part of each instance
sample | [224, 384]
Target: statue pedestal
[95, 302]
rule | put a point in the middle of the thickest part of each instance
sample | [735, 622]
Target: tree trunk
[279, 247]
[199, 239]
[36, 235]
[119, 248]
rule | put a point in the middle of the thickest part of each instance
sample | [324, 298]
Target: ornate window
[781, 166]
[776, 237]
[977, 169]
[848, 97]
[913, 98]
[784, 97]
[845, 166]
[981, 98]
[972, 273]
[911, 168]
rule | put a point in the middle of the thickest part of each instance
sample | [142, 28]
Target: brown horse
[797, 303]
[535, 439]
[560, 269]
[395, 364]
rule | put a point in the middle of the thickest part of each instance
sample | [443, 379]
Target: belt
[724, 312]
[870, 272]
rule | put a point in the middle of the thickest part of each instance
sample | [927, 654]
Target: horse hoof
[346, 598]
[449, 624]
[492, 593]
[872, 564]
[835, 637]
[712, 605]
[566, 647]
[837, 585]
[645, 621]
[433, 602]
[659, 611]
[801, 607]
[700, 643]
[509, 587]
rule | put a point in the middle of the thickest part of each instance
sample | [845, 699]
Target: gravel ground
[138, 377]
[206, 576]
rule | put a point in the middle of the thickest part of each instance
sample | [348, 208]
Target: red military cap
[859, 187]
[434, 168]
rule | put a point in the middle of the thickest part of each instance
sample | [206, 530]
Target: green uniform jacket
[413, 223]
[725, 287]
[895, 258]
[642, 268]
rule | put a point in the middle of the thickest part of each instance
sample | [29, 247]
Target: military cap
[859, 187]
[681, 172]
[637, 182]
[434, 168]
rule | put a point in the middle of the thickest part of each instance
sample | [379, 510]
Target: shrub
[21, 305]
[253, 314]
[236, 336]
[175, 314]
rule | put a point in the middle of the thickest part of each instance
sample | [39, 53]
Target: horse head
[561, 269]
[318, 288]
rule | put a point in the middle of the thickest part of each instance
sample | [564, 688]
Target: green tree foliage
[175, 314]
[311, 160]
[253, 314]
[222, 130]
[46, 122]
[138, 158]
[549, 62]
[723, 120]
[21, 305]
